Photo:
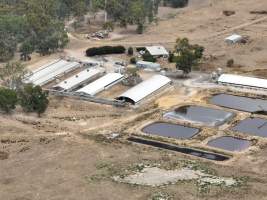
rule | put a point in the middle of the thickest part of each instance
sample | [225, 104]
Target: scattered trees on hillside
[8, 46]
[38, 25]
[128, 12]
[31, 98]
[11, 75]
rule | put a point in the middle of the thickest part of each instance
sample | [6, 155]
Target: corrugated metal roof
[142, 63]
[50, 71]
[157, 51]
[243, 81]
[101, 84]
[145, 88]
[79, 78]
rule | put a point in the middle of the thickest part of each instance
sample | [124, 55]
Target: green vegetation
[130, 51]
[108, 26]
[33, 99]
[133, 60]
[186, 55]
[38, 25]
[105, 50]
[11, 75]
[230, 63]
[176, 3]
[134, 12]
[8, 100]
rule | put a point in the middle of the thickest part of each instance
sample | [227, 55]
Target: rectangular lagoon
[229, 143]
[240, 103]
[184, 150]
[170, 130]
[201, 115]
[252, 126]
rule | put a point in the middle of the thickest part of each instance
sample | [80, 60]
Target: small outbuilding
[148, 65]
[233, 39]
[157, 51]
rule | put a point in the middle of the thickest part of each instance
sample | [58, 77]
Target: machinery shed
[79, 79]
[51, 71]
[237, 80]
[157, 51]
[101, 84]
[144, 89]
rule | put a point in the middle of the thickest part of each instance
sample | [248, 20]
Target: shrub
[228, 12]
[171, 56]
[230, 63]
[108, 26]
[105, 50]
[140, 29]
[133, 60]
[130, 51]
[8, 100]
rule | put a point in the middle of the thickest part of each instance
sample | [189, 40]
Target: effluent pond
[201, 115]
[184, 150]
[170, 130]
[230, 143]
[252, 126]
[240, 103]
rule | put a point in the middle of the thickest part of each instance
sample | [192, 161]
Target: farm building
[157, 51]
[79, 79]
[144, 89]
[148, 65]
[51, 71]
[101, 84]
[233, 39]
[244, 81]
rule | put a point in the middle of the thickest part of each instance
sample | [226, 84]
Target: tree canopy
[33, 99]
[8, 100]
[186, 55]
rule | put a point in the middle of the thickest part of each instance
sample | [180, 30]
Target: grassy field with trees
[38, 26]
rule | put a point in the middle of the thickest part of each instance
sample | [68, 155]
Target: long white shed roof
[157, 51]
[101, 84]
[145, 88]
[50, 71]
[79, 78]
[243, 81]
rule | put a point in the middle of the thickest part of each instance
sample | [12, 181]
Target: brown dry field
[58, 156]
